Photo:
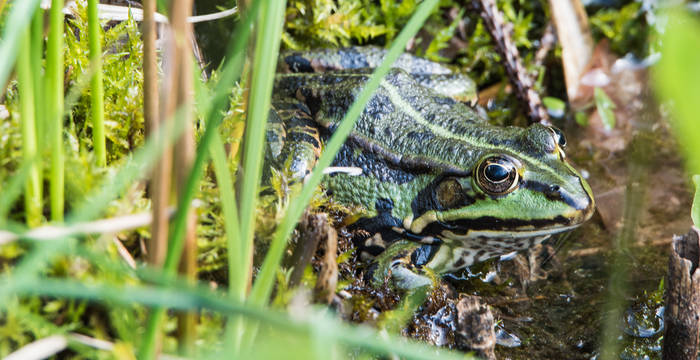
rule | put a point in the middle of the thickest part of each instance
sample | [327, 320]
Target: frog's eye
[558, 136]
[497, 175]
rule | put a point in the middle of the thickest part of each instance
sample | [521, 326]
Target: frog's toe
[407, 279]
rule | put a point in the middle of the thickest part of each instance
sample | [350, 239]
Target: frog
[439, 188]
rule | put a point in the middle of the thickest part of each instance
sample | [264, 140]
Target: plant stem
[19, 15]
[97, 89]
[183, 156]
[266, 52]
[54, 100]
[25, 83]
[230, 211]
[37, 57]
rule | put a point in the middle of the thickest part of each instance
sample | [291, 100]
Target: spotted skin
[419, 151]
[356, 60]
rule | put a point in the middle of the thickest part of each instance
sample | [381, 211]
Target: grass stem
[54, 100]
[97, 87]
[25, 83]
[268, 34]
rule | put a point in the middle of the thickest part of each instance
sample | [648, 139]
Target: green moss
[624, 28]
[123, 84]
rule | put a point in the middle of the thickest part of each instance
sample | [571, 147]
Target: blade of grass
[265, 280]
[25, 83]
[54, 101]
[17, 20]
[228, 207]
[37, 59]
[199, 297]
[677, 78]
[266, 50]
[97, 88]
[239, 272]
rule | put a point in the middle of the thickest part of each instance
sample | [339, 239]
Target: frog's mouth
[503, 234]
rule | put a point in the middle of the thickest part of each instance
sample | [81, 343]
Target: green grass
[97, 88]
[54, 105]
[30, 151]
[677, 80]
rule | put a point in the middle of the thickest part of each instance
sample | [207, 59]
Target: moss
[123, 84]
[625, 28]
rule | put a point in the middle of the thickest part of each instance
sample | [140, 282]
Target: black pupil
[496, 173]
[561, 139]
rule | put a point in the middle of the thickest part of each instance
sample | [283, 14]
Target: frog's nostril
[554, 189]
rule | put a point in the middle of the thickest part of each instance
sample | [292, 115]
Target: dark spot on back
[298, 64]
[420, 136]
[384, 205]
[444, 100]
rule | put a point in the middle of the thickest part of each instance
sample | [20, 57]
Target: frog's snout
[581, 200]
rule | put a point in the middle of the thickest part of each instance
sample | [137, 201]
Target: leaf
[555, 107]
[605, 108]
[695, 210]
[581, 118]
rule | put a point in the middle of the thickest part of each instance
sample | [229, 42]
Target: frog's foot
[403, 262]
[293, 140]
[405, 276]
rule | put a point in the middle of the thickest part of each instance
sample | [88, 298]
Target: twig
[184, 152]
[124, 253]
[52, 345]
[546, 43]
[123, 13]
[102, 226]
[40, 349]
[575, 38]
[500, 32]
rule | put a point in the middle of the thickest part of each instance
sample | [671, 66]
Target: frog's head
[525, 189]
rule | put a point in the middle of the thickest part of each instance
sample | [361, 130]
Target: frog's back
[403, 121]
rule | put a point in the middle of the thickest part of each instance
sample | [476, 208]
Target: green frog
[438, 187]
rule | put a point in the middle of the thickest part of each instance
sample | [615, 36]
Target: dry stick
[574, 35]
[327, 282]
[547, 42]
[160, 181]
[683, 299]
[500, 32]
[184, 153]
[159, 187]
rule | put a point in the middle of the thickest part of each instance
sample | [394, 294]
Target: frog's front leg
[396, 253]
[293, 140]
[405, 262]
